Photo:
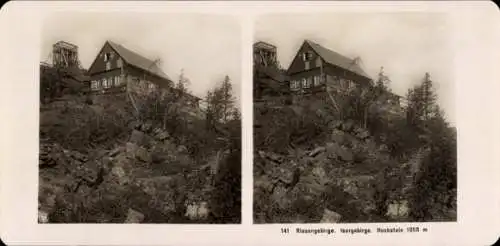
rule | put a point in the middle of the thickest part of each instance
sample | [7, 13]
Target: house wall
[302, 74]
[102, 63]
[109, 73]
[318, 79]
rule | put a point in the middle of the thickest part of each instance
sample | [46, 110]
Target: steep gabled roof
[138, 61]
[262, 44]
[274, 73]
[337, 59]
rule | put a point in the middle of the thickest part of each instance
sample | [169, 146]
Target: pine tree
[182, 84]
[226, 98]
[428, 97]
[221, 103]
[383, 81]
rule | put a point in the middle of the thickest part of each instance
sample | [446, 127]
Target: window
[306, 56]
[296, 84]
[352, 84]
[117, 80]
[304, 83]
[119, 63]
[108, 65]
[94, 85]
[108, 82]
[317, 81]
[107, 57]
[307, 65]
[343, 83]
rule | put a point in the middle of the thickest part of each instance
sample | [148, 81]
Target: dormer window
[107, 57]
[306, 56]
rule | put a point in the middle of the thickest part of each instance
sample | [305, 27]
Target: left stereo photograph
[140, 118]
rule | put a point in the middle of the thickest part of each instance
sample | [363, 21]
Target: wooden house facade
[316, 69]
[117, 69]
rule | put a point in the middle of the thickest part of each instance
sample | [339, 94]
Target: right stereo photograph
[354, 118]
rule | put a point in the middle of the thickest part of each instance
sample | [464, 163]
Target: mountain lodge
[117, 69]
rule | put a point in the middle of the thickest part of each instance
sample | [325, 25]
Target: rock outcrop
[331, 182]
[146, 179]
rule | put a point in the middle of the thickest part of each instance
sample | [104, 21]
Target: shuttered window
[317, 80]
[117, 80]
[306, 82]
[94, 85]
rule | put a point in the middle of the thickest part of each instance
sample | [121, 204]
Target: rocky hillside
[311, 167]
[99, 164]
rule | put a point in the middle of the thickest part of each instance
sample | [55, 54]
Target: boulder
[279, 197]
[334, 124]
[197, 211]
[274, 157]
[88, 171]
[43, 216]
[134, 216]
[120, 175]
[116, 151]
[350, 140]
[331, 150]
[78, 156]
[162, 135]
[284, 174]
[147, 127]
[383, 148]
[320, 159]
[345, 154]
[148, 141]
[182, 149]
[134, 125]
[314, 182]
[143, 155]
[363, 134]
[264, 182]
[316, 151]
[330, 217]
[338, 136]
[348, 125]
[137, 137]
[131, 149]
[156, 131]
[357, 130]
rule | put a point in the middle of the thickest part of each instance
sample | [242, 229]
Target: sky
[407, 45]
[206, 47]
